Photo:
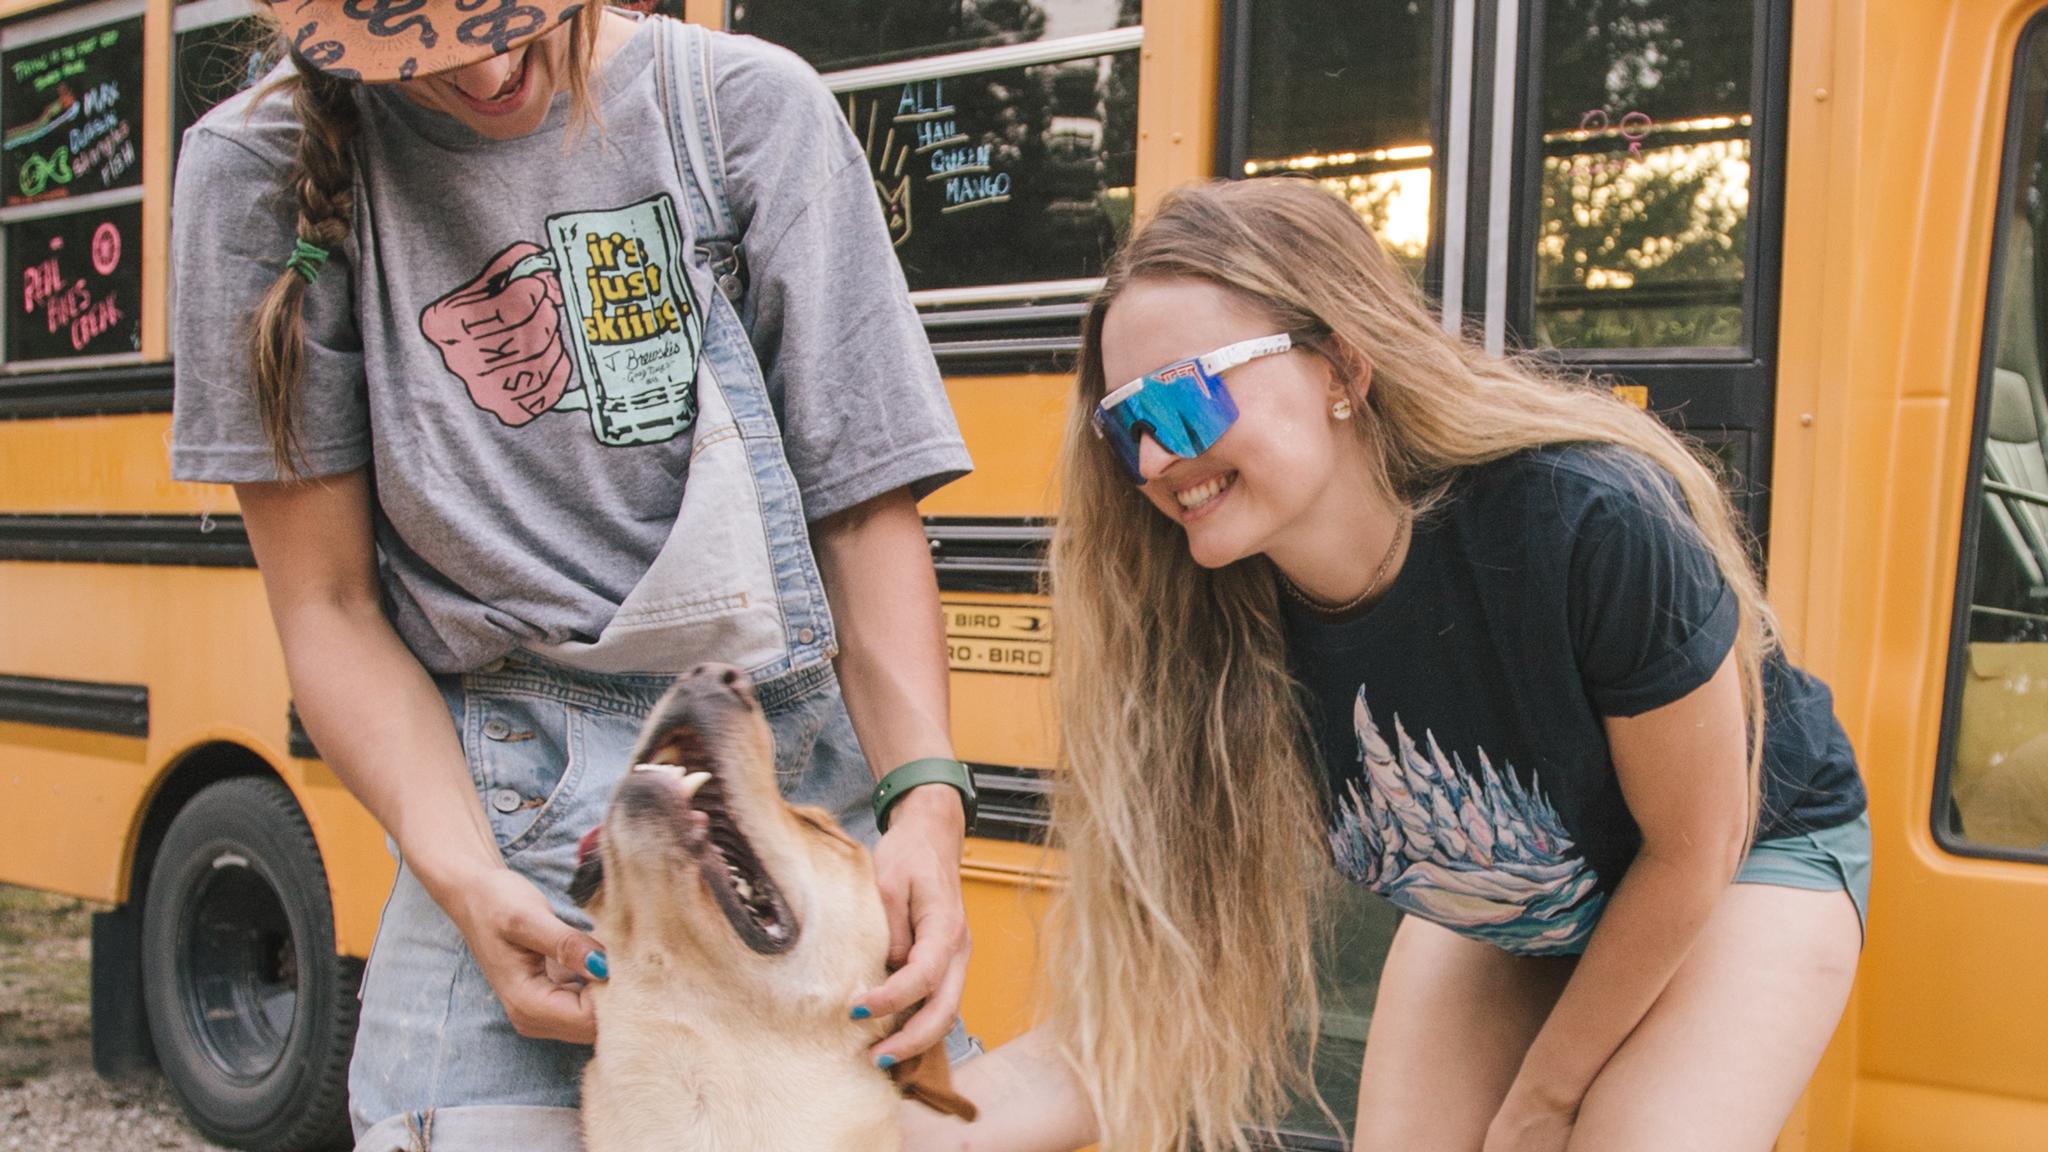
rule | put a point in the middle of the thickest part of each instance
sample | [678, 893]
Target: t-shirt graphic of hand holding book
[632, 322]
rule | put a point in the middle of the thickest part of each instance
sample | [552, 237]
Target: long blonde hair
[1190, 810]
[322, 181]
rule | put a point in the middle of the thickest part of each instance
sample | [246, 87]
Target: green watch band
[930, 770]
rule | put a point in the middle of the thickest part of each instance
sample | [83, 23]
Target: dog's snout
[716, 678]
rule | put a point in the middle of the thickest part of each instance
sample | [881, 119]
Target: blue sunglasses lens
[1183, 408]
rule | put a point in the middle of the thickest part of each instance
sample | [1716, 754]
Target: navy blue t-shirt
[1459, 719]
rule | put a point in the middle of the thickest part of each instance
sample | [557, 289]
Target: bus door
[1598, 184]
[1953, 1007]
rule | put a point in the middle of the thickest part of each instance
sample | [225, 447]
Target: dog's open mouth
[733, 872]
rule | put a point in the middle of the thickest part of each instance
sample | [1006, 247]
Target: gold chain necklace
[1379, 577]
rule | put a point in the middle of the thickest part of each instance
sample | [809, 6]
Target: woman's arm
[382, 727]
[1029, 1101]
[892, 668]
[1684, 775]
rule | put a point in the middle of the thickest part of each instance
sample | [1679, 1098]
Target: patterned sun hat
[379, 40]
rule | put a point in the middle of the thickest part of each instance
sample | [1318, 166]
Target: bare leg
[1724, 1053]
[1451, 1023]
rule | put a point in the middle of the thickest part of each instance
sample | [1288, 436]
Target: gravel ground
[49, 1097]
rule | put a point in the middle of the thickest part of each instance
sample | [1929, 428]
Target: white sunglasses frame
[1211, 363]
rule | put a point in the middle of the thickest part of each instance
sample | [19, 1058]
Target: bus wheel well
[205, 765]
[121, 1043]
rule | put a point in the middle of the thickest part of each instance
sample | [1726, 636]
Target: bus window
[1647, 132]
[71, 91]
[1341, 92]
[1996, 783]
[222, 47]
[835, 34]
[1010, 176]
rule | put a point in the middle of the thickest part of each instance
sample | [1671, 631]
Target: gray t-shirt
[508, 513]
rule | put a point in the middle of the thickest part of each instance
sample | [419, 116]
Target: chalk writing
[1633, 127]
[72, 291]
[39, 172]
[111, 156]
[959, 161]
[886, 158]
[964, 192]
[106, 248]
[73, 110]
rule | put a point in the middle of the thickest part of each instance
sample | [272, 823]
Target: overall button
[805, 635]
[497, 729]
[493, 666]
[506, 800]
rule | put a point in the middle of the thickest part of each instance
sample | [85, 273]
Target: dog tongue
[587, 847]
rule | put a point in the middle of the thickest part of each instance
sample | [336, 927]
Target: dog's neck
[719, 1075]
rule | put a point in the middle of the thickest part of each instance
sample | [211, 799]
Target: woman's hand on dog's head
[537, 964]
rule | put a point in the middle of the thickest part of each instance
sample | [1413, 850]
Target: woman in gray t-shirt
[523, 419]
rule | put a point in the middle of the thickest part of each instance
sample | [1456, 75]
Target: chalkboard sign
[71, 108]
[1004, 177]
[74, 285]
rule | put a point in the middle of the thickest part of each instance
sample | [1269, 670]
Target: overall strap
[691, 110]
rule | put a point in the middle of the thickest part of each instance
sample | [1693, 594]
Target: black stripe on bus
[988, 554]
[970, 554]
[205, 541]
[85, 705]
[1037, 336]
[296, 741]
[86, 392]
[1014, 803]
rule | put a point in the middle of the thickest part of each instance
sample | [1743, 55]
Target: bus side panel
[1007, 889]
[1881, 363]
[1012, 424]
[70, 801]
[215, 676]
[97, 464]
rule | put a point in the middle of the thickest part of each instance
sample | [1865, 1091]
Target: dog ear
[928, 1079]
[588, 881]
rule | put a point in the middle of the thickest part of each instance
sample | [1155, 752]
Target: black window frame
[1711, 393]
[1941, 812]
[1233, 117]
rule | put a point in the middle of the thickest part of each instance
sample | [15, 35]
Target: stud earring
[1341, 409]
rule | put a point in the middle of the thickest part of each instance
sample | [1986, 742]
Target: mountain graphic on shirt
[1484, 856]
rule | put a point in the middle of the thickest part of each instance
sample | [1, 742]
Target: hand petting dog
[917, 867]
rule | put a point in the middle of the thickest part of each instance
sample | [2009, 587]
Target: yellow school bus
[1811, 238]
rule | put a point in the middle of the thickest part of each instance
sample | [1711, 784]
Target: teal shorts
[1822, 861]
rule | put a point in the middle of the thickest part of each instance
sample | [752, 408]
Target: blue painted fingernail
[885, 1062]
[595, 963]
[860, 1012]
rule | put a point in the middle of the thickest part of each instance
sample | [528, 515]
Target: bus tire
[252, 1012]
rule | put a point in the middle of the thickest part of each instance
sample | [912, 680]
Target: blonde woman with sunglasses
[1340, 594]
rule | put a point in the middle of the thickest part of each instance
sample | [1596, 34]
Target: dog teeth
[675, 770]
[694, 781]
[745, 889]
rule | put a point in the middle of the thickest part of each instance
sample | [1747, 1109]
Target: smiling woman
[518, 358]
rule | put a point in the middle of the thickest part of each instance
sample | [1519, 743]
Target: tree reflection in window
[1647, 129]
[1341, 92]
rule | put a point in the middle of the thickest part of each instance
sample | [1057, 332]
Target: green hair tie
[306, 259]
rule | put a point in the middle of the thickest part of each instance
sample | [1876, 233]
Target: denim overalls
[547, 733]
